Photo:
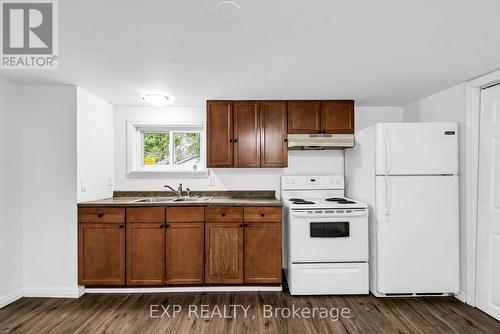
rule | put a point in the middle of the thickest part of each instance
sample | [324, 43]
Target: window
[165, 148]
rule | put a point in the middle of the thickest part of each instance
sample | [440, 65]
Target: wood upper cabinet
[224, 253]
[337, 117]
[304, 117]
[262, 253]
[101, 253]
[219, 134]
[185, 253]
[273, 132]
[246, 125]
[145, 253]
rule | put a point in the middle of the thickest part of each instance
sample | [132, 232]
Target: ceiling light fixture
[227, 10]
[157, 100]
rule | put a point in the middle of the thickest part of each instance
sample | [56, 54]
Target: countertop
[235, 199]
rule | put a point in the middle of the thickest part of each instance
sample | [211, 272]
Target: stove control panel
[330, 213]
[305, 182]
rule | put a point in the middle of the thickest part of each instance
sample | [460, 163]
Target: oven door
[323, 238]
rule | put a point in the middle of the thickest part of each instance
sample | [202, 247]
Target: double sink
[174, 199]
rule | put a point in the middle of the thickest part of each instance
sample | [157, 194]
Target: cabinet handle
[162, 226]
[167, 225]
[100, 215]
[262, 214]
[223, 214]
[121, 226]
[235, 140]
[241, 225]
[286, 140]
[230, 140]
[246, 225]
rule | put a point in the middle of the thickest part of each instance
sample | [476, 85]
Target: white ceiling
[378, 52]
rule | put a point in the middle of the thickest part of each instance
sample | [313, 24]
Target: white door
[417, 234]
[416, 148]
[488, 232]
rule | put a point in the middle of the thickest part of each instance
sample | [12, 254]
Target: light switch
[211, 180]
[83, 185]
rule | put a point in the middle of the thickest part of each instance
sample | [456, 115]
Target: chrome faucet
[178, 192]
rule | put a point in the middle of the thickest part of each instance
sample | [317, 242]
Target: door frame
[472, 132]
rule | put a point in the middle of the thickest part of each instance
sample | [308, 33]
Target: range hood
[319, 141]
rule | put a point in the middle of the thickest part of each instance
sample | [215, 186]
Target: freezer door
[416, 148]
[417, 244]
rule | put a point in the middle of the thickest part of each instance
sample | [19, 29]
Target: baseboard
[10, 297]
[54, 292]
[461, 296]
[185, 289]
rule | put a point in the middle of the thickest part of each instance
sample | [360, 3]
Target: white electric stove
[326, 238]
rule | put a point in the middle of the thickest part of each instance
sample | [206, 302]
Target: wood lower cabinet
[219, 134]
[179, 246]
[337, 117]
[185, 253]
[224, 253]
[262, 253]
[273, 134]
[304, 117]
[101, 253]
[145, 253]
[246, 134]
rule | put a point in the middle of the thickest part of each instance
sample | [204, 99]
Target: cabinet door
[145, 253]
[224, 253]
[246, 126]
[185, 253]
[101, 254]
[337, 117]
[262, 253]
[219, 134]
[304, 117]
[274, 147]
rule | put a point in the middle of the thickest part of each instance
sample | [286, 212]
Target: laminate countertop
[234, 198]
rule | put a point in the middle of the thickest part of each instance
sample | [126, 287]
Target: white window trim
[135, 149]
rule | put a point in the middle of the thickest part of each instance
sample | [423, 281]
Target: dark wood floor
[130, 313]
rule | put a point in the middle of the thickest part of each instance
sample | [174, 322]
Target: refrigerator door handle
[388, 196]
[387, 152]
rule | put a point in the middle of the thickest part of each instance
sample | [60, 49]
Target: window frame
[135, 149]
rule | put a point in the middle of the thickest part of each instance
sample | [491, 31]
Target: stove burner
[340, 200]
[303, 202]
[300, 201]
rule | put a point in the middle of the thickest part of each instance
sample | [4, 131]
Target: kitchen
[242, 130]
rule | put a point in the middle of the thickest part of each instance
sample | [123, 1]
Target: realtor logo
[29, 34]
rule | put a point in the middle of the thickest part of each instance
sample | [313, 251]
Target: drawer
[222, 214]
[185, 214]
[262, 214]
[101, 215]
[145, 215]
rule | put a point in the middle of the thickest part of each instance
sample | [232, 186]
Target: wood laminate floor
[131, 313]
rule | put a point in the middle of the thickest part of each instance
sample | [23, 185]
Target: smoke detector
[227, 10]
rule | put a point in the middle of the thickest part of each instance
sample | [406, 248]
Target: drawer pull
[223, 214]
[121, 226]
[167, 225]
[100, 215]
[246, 225]
[262, 214]
[241, 225]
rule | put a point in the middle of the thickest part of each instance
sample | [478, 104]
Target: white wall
[95, 146]
[299, 162]
[447, 106]
[10, 193]
[367, 116]
[49, 190]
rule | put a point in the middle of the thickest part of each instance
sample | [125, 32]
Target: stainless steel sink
[183, 199]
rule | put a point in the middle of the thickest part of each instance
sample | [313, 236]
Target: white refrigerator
[407, 173]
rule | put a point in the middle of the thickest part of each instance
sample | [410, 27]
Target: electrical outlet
[211, 181]
[83, 185]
